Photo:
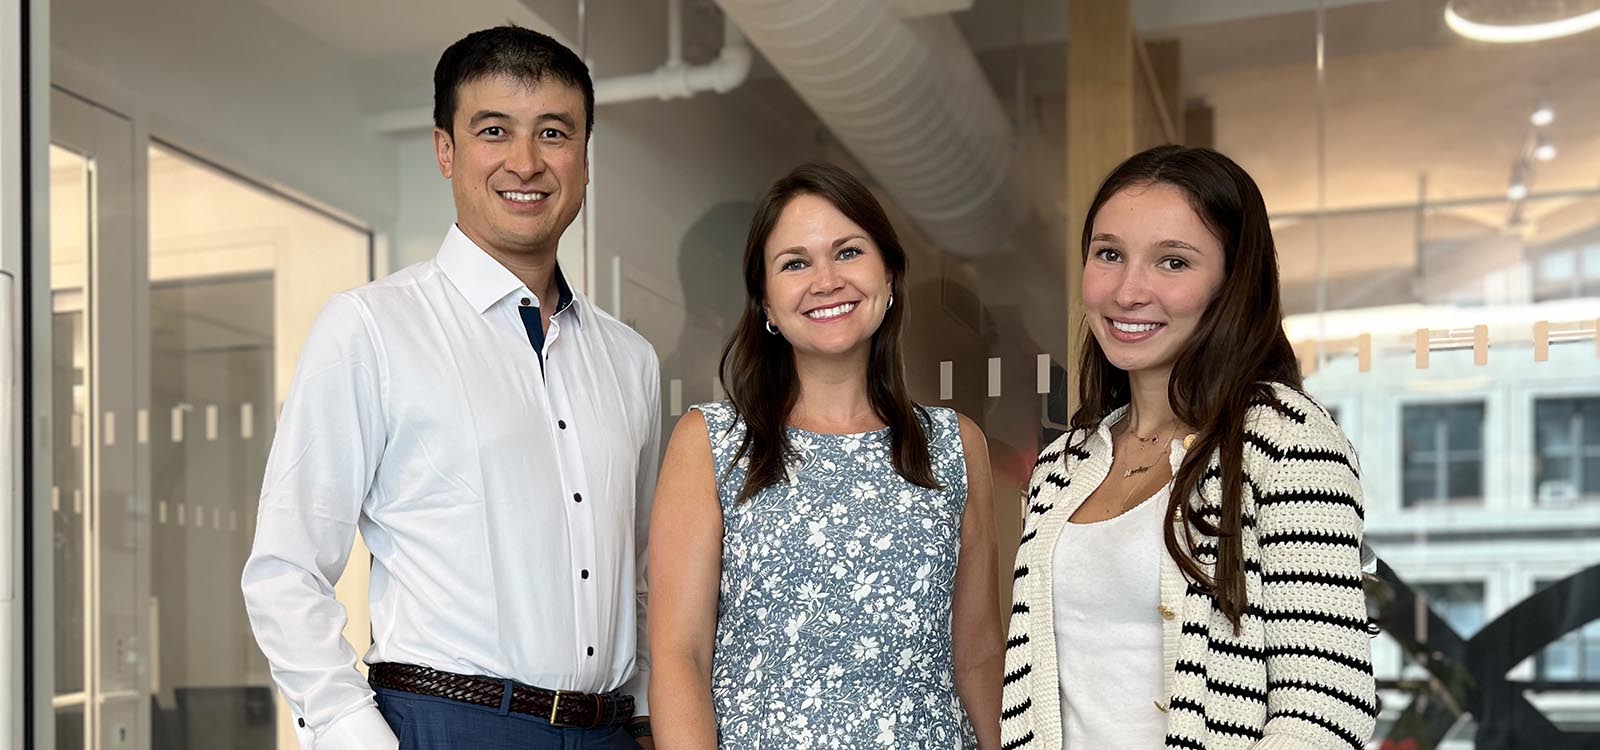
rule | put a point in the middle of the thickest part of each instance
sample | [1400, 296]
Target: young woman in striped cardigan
[1189, 574]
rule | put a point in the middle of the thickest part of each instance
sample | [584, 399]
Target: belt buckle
[555, 705]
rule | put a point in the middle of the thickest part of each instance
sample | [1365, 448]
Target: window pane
[1420, 428]
[1589, 415]
[1551, 469]
[1419, 489]
[236, 275]
[1560, 660]
[1466, 480]
[1553, 425]
[1558, 266]
[1466, 426]
[1576, 656]
[1361, 278]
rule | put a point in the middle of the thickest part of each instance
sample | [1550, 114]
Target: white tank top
[1108, 629]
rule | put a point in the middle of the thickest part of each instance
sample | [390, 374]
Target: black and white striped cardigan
[1299, 673]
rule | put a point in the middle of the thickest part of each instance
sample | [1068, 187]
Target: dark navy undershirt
[530, 315]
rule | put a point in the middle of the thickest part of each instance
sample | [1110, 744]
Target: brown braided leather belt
[559, 707]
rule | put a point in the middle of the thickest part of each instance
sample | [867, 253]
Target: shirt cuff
[364, 729]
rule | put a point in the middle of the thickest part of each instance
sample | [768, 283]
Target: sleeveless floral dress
[834, 615]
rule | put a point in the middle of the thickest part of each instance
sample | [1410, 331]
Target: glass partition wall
[170, 354]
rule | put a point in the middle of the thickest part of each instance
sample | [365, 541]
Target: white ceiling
[374, 31]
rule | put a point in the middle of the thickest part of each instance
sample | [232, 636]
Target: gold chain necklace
[1127, 496]
[1142, 468]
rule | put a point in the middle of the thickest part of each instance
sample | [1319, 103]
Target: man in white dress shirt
[494, 437]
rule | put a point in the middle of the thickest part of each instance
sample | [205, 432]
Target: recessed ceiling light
[1542, 116]
[1517, 191]
[1520, 32]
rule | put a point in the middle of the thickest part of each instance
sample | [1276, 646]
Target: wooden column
[1164, 78]
[1100, 128]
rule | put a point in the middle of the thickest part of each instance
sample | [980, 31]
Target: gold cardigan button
[1166, 612]
[1159, 707]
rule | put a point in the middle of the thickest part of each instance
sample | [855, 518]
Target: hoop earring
[890, 305]
[770, 327]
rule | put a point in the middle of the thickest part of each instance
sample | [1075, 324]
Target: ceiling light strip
[1518, 33]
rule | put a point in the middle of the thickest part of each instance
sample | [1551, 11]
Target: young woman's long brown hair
[1237, 349]
[758, 371]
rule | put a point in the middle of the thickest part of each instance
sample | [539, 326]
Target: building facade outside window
[1567, 439]
[1574, 658]
[1443, 461]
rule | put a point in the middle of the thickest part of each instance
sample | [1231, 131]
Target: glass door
[98, 504]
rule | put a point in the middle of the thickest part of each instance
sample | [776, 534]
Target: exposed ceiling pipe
[907, 98]
[672, 80]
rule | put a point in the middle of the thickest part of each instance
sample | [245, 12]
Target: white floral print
[833, 621]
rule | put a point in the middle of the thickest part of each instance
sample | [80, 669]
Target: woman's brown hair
[1237, 349]
[757, 370]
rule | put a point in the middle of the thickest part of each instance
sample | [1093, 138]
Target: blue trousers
[425, 722]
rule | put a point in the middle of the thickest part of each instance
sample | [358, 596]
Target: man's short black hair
[517, 53]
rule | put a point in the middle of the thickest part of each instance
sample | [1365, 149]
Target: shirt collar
[1102, 437]
[483, 281]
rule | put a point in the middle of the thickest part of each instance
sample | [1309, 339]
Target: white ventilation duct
[906, 96]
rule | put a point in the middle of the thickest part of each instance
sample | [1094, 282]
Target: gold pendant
[1135, 471]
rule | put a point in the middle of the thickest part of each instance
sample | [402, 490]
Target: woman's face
[1153, 268]
[827, 288]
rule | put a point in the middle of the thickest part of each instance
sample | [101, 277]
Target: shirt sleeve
[330, 437]
[644, 495]
[1320, 689]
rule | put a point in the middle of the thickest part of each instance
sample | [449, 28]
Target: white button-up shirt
[506, 505]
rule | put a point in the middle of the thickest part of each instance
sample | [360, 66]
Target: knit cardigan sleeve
[1320, 689]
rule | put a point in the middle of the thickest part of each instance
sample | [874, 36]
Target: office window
[1443, 453]
[1567, 444]
[1558, 267]
[1568, 272]
[1575, 657]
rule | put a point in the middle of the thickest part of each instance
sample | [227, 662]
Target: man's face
[517, 162]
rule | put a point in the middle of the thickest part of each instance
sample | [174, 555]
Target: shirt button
[526, 302]
[302, 723]
[585, 574]
[591, 650]
[577, 497]
[562, 423]
[1166, 612]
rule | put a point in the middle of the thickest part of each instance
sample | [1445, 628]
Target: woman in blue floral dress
[822, 560]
